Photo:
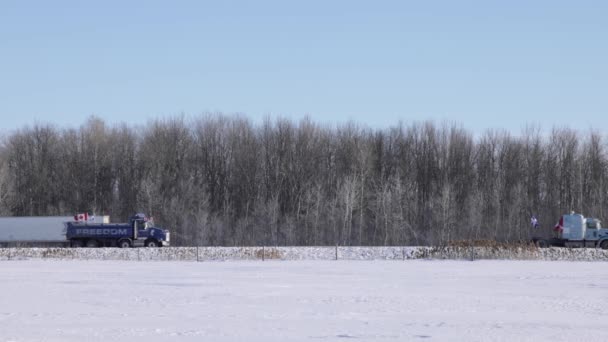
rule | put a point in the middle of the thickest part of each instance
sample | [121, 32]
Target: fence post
[263, 253]
[336, 251]
[9, 253]
[138, 257]
[197, 259]
[403, 252]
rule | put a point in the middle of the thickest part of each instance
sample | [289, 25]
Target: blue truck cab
[138, 232]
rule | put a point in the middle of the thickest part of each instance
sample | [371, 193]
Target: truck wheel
[92, 244]
[152, 243]
[76, 243]
[124, 244]
[542, 243]
[604, 244]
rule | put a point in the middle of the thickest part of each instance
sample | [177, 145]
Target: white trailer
[36, 229]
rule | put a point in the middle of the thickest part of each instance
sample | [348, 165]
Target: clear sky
[485, 64]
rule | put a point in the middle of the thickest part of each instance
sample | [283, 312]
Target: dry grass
[491, 244]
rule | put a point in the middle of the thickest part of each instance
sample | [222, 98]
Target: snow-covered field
[421, 300]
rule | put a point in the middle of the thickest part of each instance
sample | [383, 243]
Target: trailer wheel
[604, 244]
[76, 243]
[92, 244]
[542, 243]
[151, 243]
[124, 243]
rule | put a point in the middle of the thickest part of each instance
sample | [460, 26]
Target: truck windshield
[140, 224]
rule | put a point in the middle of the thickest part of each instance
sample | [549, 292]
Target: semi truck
[575, 230]
[138, 232]
[68, 231]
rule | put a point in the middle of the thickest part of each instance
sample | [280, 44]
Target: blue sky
[484, 64]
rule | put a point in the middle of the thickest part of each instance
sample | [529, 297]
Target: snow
[311, 300]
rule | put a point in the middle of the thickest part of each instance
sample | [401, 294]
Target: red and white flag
[81, 217]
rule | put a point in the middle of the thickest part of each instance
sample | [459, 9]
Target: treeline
[223, 180]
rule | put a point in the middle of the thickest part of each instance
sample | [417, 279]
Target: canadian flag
[81, 217]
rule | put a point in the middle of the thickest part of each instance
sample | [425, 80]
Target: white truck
[575, 230]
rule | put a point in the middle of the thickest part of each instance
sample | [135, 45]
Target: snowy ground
[53, 300]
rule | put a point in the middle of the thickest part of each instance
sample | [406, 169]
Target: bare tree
[223, 180]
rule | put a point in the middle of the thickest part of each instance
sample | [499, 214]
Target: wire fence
[202, 254]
